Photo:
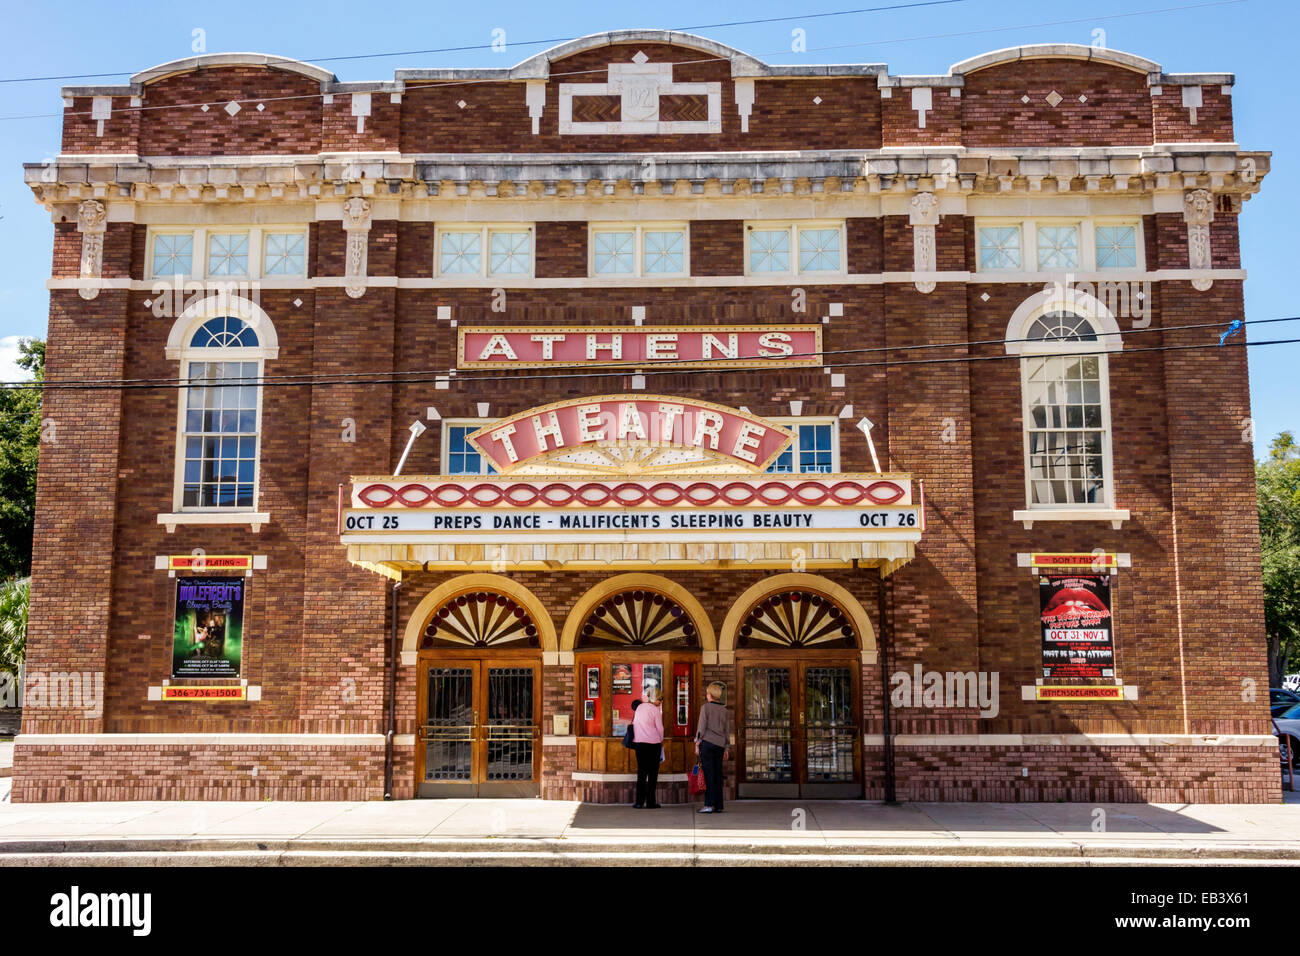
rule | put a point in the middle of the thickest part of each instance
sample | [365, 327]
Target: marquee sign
[701, 346]
[653, 420]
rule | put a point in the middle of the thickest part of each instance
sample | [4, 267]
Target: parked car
[1286, 726]
[1280, 699]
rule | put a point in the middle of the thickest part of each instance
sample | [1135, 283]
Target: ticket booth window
[631, 644]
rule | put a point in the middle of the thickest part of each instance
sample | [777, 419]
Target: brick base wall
[1080, 774]
[93, 772]
[1075, 774]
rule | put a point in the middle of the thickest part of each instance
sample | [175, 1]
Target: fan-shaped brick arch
[480, 620]
[657, 619]
[822, 614]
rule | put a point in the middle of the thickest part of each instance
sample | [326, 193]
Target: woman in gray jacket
[713, 744]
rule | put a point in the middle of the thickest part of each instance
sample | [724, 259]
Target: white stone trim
[1116, 516]
[254, 519]
[403, 740]
[199, 740]
[686, 282]
[551, 740]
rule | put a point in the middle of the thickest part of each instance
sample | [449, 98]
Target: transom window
[173, 254]
[815, 449]
[1058, 247]
[999, 247]
[221, 417]
[1067, 414]
[794, 248]
[638, 250]
[285, 254]
[225, 253]
[1044, 245]
[485, 250]
[1117, 247]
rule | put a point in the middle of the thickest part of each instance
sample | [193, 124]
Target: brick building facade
[888, 316]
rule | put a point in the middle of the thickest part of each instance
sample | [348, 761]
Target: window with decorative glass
[485, 251]
[815, 449]
[999, 248]
[1066, 412]
[1117, 245]
[794, 248]
[638, 250]
[272, 252]
[221, 417]
[459, 457]
[1057, 245]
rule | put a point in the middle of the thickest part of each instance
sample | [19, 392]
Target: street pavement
[544, 832]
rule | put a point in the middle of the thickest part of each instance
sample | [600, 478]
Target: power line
[425, 377]
[517, 43]
[605, 369]
[441, 84]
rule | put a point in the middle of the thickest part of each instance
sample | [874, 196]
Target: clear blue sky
[1255, 39]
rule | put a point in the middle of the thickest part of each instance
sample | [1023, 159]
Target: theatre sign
[631, 481]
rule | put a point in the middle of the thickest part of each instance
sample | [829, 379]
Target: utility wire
[440, 84]
[407, 378]
[605, 369]
[515, 43]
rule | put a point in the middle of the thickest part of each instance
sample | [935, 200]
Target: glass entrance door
[799, 730]
[479, 728]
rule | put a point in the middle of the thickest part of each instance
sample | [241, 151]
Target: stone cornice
[943, 169]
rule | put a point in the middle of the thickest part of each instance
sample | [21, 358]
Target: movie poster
[208, 635]
[1076, 625]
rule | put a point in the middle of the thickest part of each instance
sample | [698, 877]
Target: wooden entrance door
[799, 727]
[480, 726]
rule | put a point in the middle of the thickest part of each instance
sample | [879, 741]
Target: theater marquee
[633, 482]
[705, 346]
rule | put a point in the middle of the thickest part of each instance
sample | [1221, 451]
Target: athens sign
[733, 346]
[651, 420]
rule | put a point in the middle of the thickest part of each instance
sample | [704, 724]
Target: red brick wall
[1117, 111]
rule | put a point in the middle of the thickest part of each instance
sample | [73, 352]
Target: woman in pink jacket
[648, 735]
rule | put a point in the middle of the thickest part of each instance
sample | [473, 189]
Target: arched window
[220, 416]
[1062, 340]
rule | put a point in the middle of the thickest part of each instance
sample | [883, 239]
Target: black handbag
[629, 738]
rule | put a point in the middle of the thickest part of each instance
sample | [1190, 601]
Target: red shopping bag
[696, 777]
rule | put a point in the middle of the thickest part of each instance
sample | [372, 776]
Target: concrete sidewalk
[553, 832]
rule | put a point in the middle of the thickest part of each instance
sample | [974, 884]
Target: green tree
[13, 623]
[20, 437]
[1277, 482]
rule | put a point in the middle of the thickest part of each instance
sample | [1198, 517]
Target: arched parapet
[210, 61]
[1055, 51]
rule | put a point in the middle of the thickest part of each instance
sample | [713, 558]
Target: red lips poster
[1076, 624]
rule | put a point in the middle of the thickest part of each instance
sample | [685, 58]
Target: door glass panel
[767, 725]
[828, 710]
[509, 726]
[449, 728]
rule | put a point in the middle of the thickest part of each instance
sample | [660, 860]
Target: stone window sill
[1116, 516]
[254, 519]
